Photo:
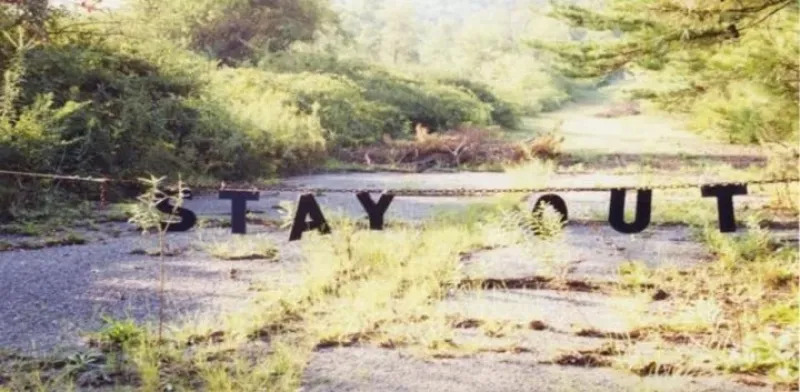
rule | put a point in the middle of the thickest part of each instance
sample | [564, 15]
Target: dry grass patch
[470, 147]
[359, 286]
[250, 247]
[739, 312]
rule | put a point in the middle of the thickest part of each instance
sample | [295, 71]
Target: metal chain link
[55, 176]
[477, 192]
[420, 192]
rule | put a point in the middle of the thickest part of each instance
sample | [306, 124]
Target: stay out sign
[308, 214]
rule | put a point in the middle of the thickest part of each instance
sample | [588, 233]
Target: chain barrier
[419, 192]
[54, 176]
[468, 192]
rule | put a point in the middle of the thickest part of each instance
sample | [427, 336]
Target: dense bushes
[121, 99]
[97, 108]
[124, 106]
[122, 115]
[371, 91]
[434, 105]
[503, 113]
[234, 31]
[345, 113]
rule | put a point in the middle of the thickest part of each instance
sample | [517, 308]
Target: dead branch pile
[462, 147]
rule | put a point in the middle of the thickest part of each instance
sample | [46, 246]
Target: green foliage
[503, 113]
[345, 113]
[765, 352]
[145, 213]
[526, 82]
[117, 99]
[120, 333]
[236, 30]
[543, 224]
[125, 107]
[483, 47]
[242, 248]
[431, 104]
[753, 246]
[730, 65]
[361, 102]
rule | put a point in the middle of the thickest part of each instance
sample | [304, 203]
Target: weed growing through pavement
[542, 234]
[237, 247]
[738, 313]
[358, 286]
[146, 215]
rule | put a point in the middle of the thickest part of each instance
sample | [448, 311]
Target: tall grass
[740, 310]
[358, 287]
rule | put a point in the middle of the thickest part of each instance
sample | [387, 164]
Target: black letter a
[307, 207]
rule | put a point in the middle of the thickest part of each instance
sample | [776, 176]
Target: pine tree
[731, 64]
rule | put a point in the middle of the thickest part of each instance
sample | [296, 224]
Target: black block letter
[554, 200]
[616, 213]
[375, 211]
[307, 207]
[188, 218]
[724, 195]
[239, 208]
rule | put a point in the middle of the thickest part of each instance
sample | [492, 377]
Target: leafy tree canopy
[732, 64]
[238, 30]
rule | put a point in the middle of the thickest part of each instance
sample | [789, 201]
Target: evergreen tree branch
[673, 8]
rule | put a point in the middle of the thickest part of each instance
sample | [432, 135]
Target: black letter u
[616, 214]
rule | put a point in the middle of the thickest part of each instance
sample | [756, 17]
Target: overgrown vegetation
[212, 90]
[390, 283]
[736, 314]
[739, 312]
[215, 90]
[251, 247]
[731, 66]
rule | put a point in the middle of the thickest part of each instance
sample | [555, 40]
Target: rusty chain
[55, 176]
[473, 192]
[420, 192]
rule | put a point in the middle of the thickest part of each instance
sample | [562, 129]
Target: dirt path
[648, 139]
[51, 295]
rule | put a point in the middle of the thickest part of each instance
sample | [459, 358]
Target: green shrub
[133, 120]
[349, 118]
[96, 102]
[141, 113]
[280, 135]
[746, 113]
[234, 31]
[503, 113]
[401, 101]
[120, 333]
[435, 105]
